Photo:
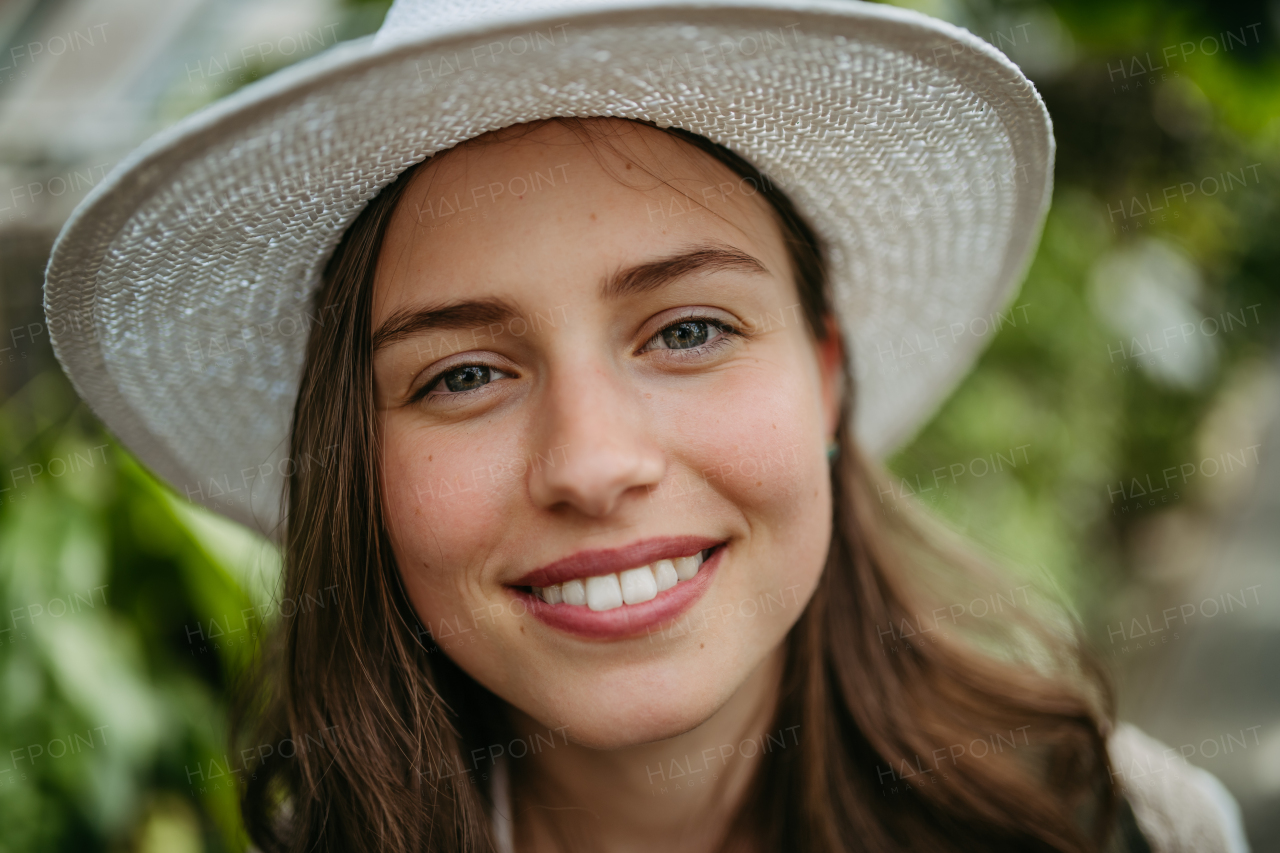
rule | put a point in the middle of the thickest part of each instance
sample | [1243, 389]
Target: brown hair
[873, 716]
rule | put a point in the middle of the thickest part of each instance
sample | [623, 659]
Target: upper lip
[604, 561]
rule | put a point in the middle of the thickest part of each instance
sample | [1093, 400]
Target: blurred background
[1119, 439]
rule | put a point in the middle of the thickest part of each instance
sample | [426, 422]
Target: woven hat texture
[179, 294]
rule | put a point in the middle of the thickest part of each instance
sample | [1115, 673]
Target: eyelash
[431, 384]
[727, 332]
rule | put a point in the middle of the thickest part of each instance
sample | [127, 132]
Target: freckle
[429, 458]
[628, 165]
[775, 426]
[593, 216]
[758, 483]
[702, 645]
[521, 629]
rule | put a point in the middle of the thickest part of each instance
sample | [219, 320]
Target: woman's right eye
[467, 378]
[460, 380]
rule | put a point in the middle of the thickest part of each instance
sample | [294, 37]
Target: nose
[594, 431]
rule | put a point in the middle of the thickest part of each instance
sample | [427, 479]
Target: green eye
[467, 378]
[686, 334]
[693, 333]
[458, 381]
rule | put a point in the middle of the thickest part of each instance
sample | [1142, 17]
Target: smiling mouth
[629, 586]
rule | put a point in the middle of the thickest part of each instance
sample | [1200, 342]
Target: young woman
[579, 470]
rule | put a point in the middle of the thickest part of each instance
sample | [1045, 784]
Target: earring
[833, 450]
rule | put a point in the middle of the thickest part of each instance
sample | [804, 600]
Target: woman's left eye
[690, 334]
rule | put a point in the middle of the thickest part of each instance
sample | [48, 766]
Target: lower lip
[628, 620]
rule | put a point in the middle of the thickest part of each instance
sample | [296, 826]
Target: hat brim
[179, 294]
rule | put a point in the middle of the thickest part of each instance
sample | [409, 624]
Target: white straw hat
[179, 294]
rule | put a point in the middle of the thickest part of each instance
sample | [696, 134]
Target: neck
[677, 795]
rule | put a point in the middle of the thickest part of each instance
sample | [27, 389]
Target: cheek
[759, 437]
[758, 450]
[444, 500]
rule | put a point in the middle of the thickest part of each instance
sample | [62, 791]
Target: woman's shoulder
[1176, 807]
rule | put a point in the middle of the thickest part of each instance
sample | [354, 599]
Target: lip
[630, 619]
[606, 561]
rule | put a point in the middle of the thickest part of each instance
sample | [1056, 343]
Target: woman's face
[593, 372]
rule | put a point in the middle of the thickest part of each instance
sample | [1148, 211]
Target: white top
[1179, 807]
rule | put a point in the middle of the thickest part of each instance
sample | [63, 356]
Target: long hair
[918, 731]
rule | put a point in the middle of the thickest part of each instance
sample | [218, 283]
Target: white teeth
[633, 586]
[604, 592]
[664, 572]
[574, 592]
[687, 567]
[638, 585]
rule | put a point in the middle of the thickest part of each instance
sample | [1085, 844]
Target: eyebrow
[648, 277]
[464, 315]
[632, 281]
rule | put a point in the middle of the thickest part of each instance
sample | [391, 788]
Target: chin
[617, 707]
[630, 723]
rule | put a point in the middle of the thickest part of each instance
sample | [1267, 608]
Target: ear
[831, 374]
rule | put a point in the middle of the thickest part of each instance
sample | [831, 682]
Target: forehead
[563, 202]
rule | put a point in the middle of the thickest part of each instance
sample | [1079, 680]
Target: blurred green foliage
[1068, 383]
[122, 607]
[109, 697]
